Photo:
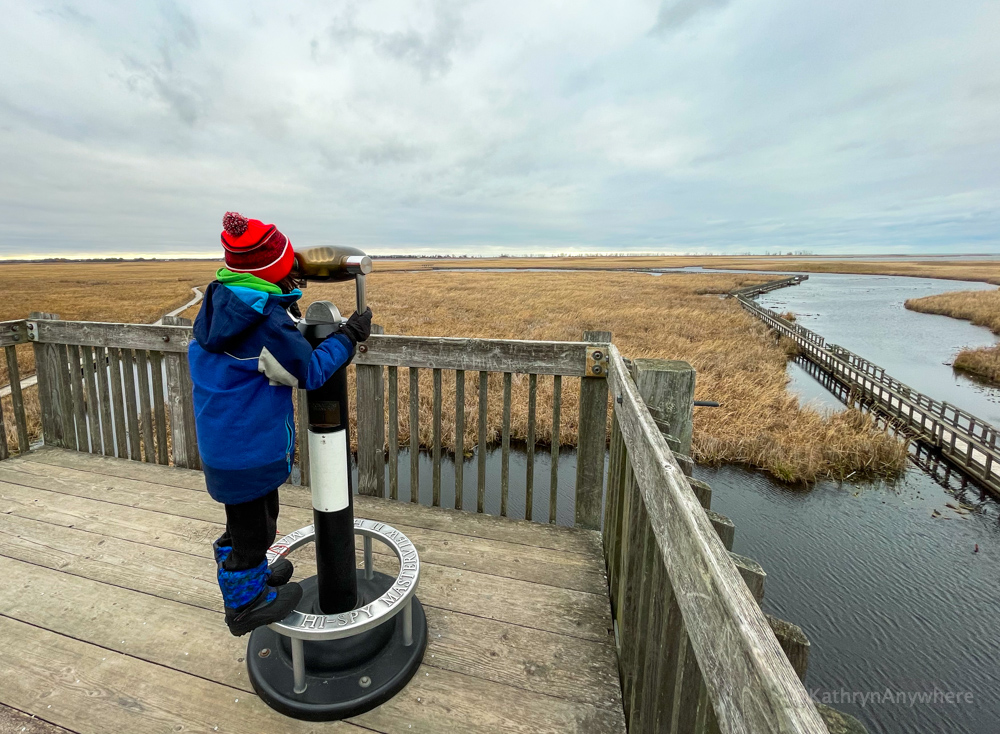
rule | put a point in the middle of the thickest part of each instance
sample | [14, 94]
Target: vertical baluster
[4, 451]
[554, 447]
[145, 405]
[529, 478]
[483, 407]
[459, 437]
[17, 399]
[118, 402]
[65, 406]
[131, 409]
[394, 433]
[82, 408]
[414, 435]
[104, 400]
[93, 398]
[436, 475]
[505, 450]
[160, 408]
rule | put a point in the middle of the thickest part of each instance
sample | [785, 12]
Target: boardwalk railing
[696, 653]
[968, 442]
[755, 290]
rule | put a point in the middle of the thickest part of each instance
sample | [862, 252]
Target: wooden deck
[111, 618]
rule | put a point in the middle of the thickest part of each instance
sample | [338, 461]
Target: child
[247, 357]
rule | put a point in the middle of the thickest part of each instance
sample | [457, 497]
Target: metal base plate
[344, 677]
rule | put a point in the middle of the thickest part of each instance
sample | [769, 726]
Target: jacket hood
[225, 317]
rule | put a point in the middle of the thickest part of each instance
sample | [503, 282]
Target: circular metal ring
[346, 624]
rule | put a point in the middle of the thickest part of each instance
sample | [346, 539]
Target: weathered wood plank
[393, 433]
[97, 334]
[4, 451]
[724, 527]
[188, 578]
[65, 407]
[13, 332]
[484, 386]
[459, 438]
[554, 447]
[187, 638]
[17, 400]
[667, 387]
[368, 414]
[145, 407]
[90, 357]
[131, 407]
[118, 403]
[91, 690]
[104, 400]
[189, 525]
[47, 384]
[505, 446]
[529, 478]
[178, 419]
[436, 441]
[414, 435]
[83, 406]
[379, 423]
[591, 441]
[485, 355]
[750, 682]
[159, 399]
[555, 537]
[794, 642]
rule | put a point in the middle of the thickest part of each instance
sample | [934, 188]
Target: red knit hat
[256, 248]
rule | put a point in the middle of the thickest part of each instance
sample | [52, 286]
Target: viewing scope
[334, 264]
[329, 263]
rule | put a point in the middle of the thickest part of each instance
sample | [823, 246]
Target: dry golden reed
[676, 316]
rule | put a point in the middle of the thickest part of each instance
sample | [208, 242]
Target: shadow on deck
[112, 619]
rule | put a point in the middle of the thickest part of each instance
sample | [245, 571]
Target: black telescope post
[357, 637]
[329, 440]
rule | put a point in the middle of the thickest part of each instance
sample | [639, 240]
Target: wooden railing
[586, 360]
[969, 443]
[695, 651]
[124, 390]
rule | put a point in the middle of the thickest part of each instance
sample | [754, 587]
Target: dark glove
[359, 327]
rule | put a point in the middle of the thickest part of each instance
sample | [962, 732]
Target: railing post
[371, 427]
[667, 388]
[181, 400]
[48, 384]
[592, 437]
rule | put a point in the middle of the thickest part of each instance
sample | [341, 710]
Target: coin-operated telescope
[358, 635]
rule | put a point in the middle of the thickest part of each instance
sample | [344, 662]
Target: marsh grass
[677, 316]
[982, 308]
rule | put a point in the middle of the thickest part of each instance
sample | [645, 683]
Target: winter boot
[250, 602]
[279, 573]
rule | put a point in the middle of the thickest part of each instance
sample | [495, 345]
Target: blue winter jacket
[246, 358]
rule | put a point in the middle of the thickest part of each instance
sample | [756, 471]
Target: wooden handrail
[750, 683]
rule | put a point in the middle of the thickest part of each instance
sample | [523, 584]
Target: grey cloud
[430, 53]
[675, 13]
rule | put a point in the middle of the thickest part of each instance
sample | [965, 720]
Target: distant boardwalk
[968, 442]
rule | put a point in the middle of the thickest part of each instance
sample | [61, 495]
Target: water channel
[896, 590]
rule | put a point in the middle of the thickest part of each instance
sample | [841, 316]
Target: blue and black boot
[279, 573]
[251, 602]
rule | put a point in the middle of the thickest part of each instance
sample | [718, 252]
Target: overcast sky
[515, 126]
